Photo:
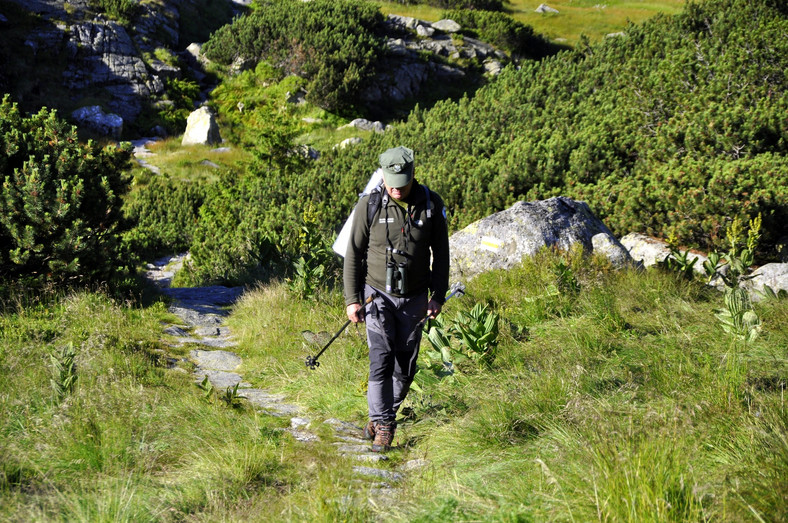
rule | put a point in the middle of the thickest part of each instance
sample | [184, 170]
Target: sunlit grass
[194, 162]
[592, 18]
[623, 400]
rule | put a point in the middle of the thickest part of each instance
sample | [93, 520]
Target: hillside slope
[674, 128]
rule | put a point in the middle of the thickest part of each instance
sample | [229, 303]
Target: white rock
[424, 31]
[201, 128]
[350, 141]
[650, 251]
[446, 25]
[775, 275]
[544, 8]
[93, 117]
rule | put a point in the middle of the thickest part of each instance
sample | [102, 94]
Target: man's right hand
[355, 313]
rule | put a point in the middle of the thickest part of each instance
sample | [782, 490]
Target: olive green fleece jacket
[420, 237]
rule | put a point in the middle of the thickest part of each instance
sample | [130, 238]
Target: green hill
[674, 128]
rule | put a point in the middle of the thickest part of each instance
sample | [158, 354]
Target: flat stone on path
[297, 423]
[344, 448]
[303, 435]
[343, 427]
[174, 330]
[216, 359]
[271, 403]
[220, 379]
[378, 473]
[219, 343]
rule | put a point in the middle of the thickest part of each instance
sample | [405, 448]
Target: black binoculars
[396, 278]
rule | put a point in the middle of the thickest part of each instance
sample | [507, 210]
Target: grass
[592, 18]
[193, 163]
[619, 398]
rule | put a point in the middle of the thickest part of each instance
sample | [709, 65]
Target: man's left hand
[433, 309]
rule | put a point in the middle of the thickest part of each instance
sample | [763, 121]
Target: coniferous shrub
[330, 43]
[122, 10]
[165, 214]
[238, 233]
[502, 31]
[676, 127]
[60, 205]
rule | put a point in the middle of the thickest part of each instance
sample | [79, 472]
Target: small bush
[502, 31]
[330, 43]
[60, 201]
[165, 213]
[124, 11]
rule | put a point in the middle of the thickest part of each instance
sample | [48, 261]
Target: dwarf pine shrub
[60, 200]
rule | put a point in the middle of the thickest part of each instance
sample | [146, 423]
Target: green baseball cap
[397, 165]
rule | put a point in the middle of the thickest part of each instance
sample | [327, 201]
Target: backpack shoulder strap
[429, 204]
[373, 204]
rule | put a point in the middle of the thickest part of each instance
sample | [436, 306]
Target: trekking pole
[311, 361]
[458, 289]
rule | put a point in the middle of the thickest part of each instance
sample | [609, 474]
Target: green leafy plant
[312, 266]
[440, 355]
[768, 293]
[677, 261]
[738, 317]
[477, 331]
[207, 387]
[739, 257]
[64, 371]
[231, 398]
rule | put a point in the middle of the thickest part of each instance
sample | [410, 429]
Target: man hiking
[398, 253]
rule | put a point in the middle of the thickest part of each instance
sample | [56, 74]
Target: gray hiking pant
[393, 337]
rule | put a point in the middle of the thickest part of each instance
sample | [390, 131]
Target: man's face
[400, 193]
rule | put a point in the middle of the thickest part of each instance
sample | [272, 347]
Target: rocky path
[202, 311]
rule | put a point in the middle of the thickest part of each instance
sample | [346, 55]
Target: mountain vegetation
[673, 130]
[582, 393]
[60, 205]
[560, 390]
[331, 44]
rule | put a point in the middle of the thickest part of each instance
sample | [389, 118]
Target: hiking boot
[384, 435]
[369, 431]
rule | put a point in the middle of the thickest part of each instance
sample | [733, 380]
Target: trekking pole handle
[458, 289]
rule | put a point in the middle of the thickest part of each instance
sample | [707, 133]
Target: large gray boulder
[201, 128]
[501, 240]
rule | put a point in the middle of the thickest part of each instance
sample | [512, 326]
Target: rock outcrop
[95, 119]
[101, 54]
[500, 241]
[106, 57]
[404, 72]
[649, 251]
[121, 61]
